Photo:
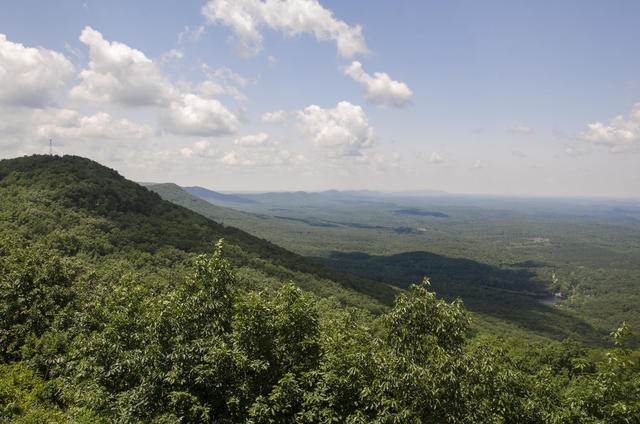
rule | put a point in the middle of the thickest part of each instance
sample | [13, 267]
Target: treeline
[80, 345]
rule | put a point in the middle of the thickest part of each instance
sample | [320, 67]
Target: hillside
[79, 207]
[109, 313]
[488, 290]
[180, 196]
[214, 196]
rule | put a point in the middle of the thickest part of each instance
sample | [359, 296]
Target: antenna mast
[50, 147]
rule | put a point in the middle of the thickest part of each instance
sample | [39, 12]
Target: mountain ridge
[80, 206]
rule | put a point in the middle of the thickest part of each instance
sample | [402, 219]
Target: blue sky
[507, 98]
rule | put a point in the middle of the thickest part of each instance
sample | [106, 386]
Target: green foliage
[205, 349]
[419, 322]
[26, 398]
[80, 208]
[34, 288]
[110, 311]
[496, 254]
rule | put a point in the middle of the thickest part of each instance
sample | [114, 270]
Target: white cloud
[380, 89]
[292, 17]
[435, 158]
[287, 158]
[30, 76]
[619, 135]
[194, 115]
[171, 55]
[225, 74]
[202, 148]
[520, 129]
[120, 74]
[274, 117]
[252, 140]
[211, 89]
[343, 130]
[263, 159]
[191, 34]
[232, 159]
[69, 124]
[477, 165]
[221, 82]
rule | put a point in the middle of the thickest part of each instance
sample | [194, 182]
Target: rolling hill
[118, 306]
[488, 291]
[80, 207]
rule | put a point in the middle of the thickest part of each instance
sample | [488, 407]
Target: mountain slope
[181, 196]
[80, 207]
[486, 290]
[215, 196]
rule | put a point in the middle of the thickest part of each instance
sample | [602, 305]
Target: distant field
[588, 251]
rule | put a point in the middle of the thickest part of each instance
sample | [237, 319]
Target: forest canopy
[115, 308]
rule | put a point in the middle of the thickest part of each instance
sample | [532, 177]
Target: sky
[477, 97]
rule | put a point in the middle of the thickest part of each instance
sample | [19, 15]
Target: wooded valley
[119, 306]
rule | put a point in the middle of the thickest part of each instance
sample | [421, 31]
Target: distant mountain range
[211, 195]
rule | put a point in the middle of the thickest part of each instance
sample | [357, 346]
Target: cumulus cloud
[435, 158]
[343, 130]
[252, 140]
[170, 55]
[213, 89]
[380, 89]
[120, 74]
[222, 81]
[233, 159]
[520, 129]
[619, 135]
[225, 74]
[202, 148]
[274, 117]
[271, 158]
[30, 76]
[69, 124]
[191, 114]
[293, 17]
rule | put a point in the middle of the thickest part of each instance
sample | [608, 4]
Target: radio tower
[50, 147]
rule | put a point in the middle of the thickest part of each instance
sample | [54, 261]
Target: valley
[119, 306]
[482, 249]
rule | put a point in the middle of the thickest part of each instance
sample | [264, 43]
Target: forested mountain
[115, 306]
[215, 196]
[493, 294]
[77, 206]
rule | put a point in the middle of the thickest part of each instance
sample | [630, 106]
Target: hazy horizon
[500, 98]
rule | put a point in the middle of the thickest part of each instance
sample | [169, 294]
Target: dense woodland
[483, 250]
[118, 306]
